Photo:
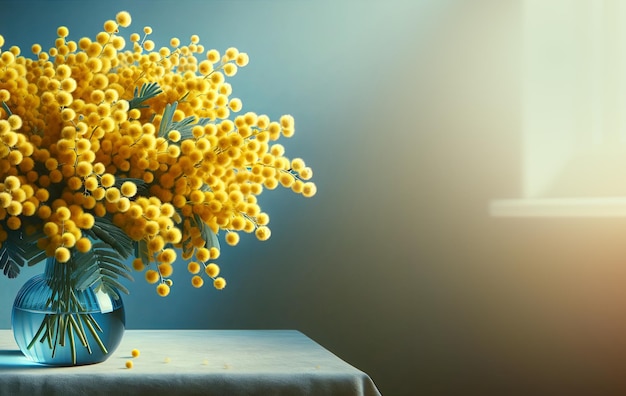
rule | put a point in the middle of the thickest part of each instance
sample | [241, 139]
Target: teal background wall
[409, 113]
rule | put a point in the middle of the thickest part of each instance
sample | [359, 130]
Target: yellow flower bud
[219, 283]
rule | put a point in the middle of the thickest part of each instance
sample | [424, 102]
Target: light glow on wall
[573, 110]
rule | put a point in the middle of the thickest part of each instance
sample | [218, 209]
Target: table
[192, 362]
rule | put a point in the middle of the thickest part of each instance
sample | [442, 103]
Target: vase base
[28, 322]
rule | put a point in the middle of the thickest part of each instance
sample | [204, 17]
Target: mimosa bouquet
[111, 156]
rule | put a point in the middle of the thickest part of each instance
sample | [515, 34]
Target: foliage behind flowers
[108, 153]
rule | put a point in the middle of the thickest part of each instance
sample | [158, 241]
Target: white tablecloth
[192, 362]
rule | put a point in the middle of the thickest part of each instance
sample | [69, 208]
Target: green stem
[49, 323]
[86, 319]
[57, 325]
[70, 333]
[80, 331]
[38, 333]
[61, 322]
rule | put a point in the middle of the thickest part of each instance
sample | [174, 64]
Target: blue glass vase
[56, 324]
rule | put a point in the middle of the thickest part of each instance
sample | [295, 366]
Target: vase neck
[57, 271]
[50, 267]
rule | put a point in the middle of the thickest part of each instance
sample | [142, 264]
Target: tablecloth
[192, 362]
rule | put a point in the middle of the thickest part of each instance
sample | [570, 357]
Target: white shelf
[559, 207]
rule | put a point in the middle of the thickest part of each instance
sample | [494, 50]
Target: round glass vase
[55, 324]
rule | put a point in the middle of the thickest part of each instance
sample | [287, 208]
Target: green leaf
[166, 120]
[186, 125]
[112, 235]
[115, 268]
[183, 126]
[207, 234]
[18, 250]
[141, 251]
[88, 277]
[10, 268]
[111, 291]
[6, 108]
[147, 91]
[100, 267]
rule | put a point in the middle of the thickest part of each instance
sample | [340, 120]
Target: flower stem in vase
[68, 317]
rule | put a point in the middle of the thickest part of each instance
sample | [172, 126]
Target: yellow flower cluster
[74, 147]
